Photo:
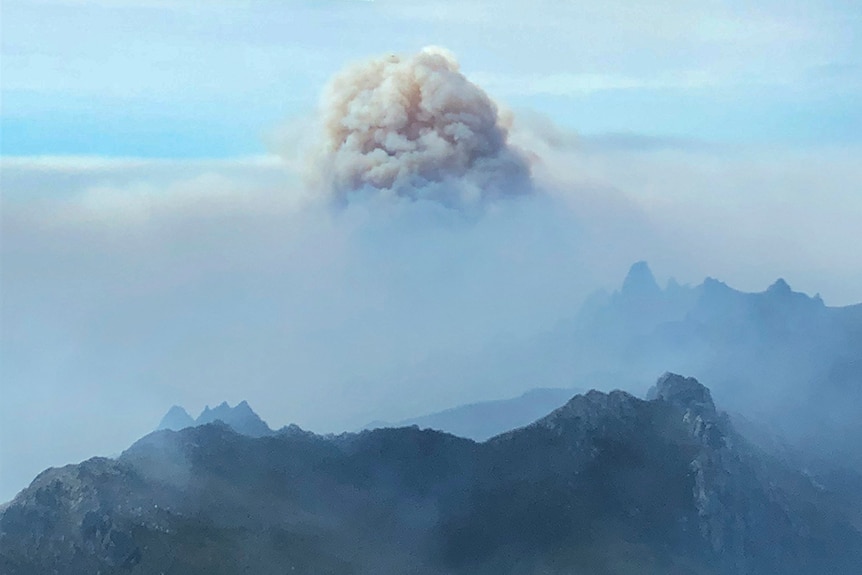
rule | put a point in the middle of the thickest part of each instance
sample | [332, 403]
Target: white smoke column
[415, 127]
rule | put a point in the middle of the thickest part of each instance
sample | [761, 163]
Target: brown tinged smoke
[415, 127]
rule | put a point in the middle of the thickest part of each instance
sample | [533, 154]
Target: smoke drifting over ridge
[415, 127]
[333, 318]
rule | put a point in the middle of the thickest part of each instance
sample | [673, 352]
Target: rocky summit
[605, 484]
[241, 418]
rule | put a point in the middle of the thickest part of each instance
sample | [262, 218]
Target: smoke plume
[415, 127]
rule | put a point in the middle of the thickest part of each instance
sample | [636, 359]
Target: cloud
[415, 127]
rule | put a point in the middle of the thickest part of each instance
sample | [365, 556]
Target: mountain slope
[608, 483]
[482, 420]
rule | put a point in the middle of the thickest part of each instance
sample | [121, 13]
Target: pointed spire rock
[640, 282]
[241, 419]
[780, 286]
[176, 419]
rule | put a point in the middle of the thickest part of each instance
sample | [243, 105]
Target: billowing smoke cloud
[415, 127]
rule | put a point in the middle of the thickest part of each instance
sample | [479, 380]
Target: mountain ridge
[777, 357]
[482, 420]
[242, 418]
[667, 482]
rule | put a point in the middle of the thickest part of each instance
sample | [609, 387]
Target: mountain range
[542, 483]
[788, 367]
[785, 364]
[607, 483]
[240, 418]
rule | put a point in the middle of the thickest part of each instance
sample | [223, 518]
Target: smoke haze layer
[142, 283]
[415, 127]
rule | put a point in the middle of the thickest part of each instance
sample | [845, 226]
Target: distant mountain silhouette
[483, 420]
[241, 419]
[176, 418]
[785, 361]
[608, 483]
[640, 283]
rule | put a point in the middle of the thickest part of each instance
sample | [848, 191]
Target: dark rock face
[607, 483]
[78, 519]
[683, 392]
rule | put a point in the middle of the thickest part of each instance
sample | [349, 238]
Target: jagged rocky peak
[208, 415]
[240, 418]
[782, 294]
[640, 282]
[244, 407]
[779, 287]
[176, 418]
[683, 392]
[594, 407]
[585, 413]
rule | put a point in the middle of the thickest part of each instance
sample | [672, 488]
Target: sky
[163, 243]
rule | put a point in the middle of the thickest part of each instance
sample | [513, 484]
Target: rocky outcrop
[80, 516]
